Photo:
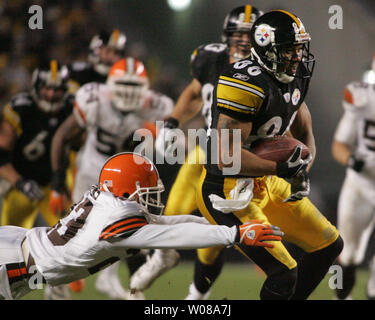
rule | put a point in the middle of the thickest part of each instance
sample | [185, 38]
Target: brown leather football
[278, 148]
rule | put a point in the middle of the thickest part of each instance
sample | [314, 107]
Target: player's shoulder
[91, 91]
[160, 100]
[246, 74]
[114, 205]
[22, 101]
[79, 66]
[356, 95]
[209, 53]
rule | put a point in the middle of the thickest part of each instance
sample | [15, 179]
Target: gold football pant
[19, 210]
[182, 198]
[301, 221]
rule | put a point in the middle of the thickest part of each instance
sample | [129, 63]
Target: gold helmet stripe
[292, 16]
[248, 11]
[53, 67]
[115, 36]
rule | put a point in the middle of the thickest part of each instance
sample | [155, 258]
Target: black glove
[293, 165]
[300, 187]
[58, 181]
[356, 163]
[30, 189]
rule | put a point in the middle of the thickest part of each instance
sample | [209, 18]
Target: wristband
[355, 164]
[171, 123]
[58, 180]
[5, 156]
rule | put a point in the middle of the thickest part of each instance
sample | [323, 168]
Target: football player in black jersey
[207, 63]
[28, 124]
[264, 97]
[105, 49]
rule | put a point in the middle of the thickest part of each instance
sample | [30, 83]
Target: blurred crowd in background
[68, 27]
[65, 36]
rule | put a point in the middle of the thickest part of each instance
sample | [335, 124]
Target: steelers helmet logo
[263, 35]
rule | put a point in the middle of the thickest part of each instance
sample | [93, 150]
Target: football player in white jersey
[354, 147]
[110, 113]
[111, 221]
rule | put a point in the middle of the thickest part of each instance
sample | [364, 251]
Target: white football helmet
[128, 83]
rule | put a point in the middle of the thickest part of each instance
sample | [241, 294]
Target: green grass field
[240, 281]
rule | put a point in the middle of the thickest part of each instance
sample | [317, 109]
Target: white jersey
[108, 130]
[357, 128]
[103, 228]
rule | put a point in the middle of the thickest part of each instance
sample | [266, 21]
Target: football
[278, 148]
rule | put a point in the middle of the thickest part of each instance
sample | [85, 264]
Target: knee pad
[279, 286]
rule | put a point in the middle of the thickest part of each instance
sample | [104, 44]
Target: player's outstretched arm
[194, 235]
[68, 131]
[189, 103]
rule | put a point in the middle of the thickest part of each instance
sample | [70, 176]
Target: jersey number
[60, 234]
[36, 147]
[369, 134]
[105, 142]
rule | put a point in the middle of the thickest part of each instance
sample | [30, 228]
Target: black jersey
[248, 93]
[34, 129]
[84, 72]
[207, 63]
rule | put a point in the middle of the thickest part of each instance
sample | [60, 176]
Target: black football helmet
[55, 76]
[115, 40]
[240, 19]
[274, 31]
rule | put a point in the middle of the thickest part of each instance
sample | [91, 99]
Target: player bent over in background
[354, 147]
[264, 97]
[207, 62]
[110, 222]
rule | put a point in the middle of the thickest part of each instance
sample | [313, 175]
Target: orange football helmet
[128, 82]
[134, 177]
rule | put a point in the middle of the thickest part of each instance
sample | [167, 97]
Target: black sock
[205, 275]
[313, 268]
[134, 262]
[348, 281]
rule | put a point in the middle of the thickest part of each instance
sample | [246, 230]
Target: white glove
[241, 196]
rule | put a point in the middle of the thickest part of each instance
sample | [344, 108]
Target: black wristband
[58, 180]
[238, 235]
[171, 123]
[282, 170]
[355, 164]
[5, 156]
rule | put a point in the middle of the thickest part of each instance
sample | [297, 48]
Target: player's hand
[30, 189]
[166, 138]
[57, 202]
[254, 233]
[356, 163]
[300, 187]
[58, 198]
[293, 165]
